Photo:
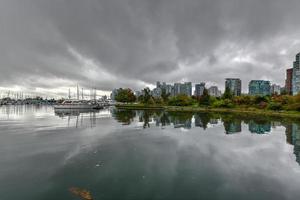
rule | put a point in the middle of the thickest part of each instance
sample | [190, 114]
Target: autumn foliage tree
[125, 96]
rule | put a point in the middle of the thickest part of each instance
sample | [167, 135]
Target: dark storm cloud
[132, 43]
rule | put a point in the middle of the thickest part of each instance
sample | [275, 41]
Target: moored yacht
[78, 104]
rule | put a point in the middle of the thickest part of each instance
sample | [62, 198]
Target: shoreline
[252, 111]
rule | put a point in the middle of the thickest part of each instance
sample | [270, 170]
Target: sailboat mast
[77, 92]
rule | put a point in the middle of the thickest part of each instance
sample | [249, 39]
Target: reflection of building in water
[234, 126]
[182, 123]
[289, 133]
[293, 137]
[259, 127]
[124, 116]
[213, 121]
[198, 121]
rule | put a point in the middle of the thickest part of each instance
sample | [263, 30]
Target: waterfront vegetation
[264, 105]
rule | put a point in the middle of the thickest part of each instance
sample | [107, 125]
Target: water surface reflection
[231, 123]
[117, 154]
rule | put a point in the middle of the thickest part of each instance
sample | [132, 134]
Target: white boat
[78, 104]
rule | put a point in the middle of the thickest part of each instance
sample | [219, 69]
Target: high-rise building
[160, 87]
[259, 87]
[156, 92]
[275, 89]
[289, 81]
[176, 89]
[183, 88]
[235, 85]
[214, 91]
[188, 88]
[169, 89]
[296, 75]
[199, 88]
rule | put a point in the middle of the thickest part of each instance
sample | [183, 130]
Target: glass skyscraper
[296, 75]
[199, 88]
[235, 85]
[259, 87]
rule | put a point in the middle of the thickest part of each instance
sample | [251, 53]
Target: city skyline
[51, 46]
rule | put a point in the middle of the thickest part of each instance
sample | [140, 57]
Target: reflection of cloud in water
[232, 123]
[114, 161]
[201, 163]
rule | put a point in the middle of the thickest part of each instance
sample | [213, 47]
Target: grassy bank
[249, 111]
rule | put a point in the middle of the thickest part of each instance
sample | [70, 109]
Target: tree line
[227, 100]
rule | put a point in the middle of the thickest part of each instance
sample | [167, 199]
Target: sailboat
[78, 104]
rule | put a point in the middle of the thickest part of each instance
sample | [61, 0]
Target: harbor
[71, 101]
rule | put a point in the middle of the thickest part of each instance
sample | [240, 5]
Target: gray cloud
[133, 43]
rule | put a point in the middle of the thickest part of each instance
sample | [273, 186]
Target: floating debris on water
[99, 164]
[82, 193]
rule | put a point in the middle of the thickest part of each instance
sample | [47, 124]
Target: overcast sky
[51, 45]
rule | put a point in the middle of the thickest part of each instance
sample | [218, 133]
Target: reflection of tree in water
[164, 119]
[81, 193]
[259, 126]
[147, 115]
[144, 117]
[202, 119]
[124, 116]
[232, 124]
[293, 138]
[181, 119]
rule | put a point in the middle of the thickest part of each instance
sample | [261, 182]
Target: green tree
[227, 94]
[284, 92]
[147, 97]
[205, 98]
[180, 100]
[164, 95]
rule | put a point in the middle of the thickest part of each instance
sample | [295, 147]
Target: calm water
[137, 155]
